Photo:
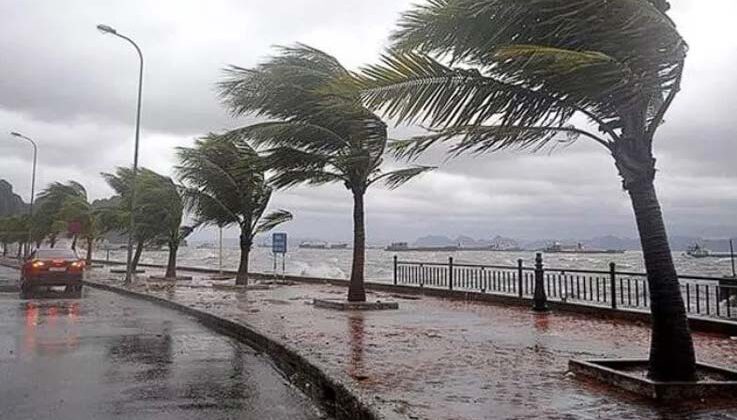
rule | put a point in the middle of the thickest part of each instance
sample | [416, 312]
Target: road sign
[279, 243]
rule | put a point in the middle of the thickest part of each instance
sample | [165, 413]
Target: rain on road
[107, 356]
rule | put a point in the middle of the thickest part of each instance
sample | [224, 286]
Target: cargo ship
[557, 248]
[404, 247]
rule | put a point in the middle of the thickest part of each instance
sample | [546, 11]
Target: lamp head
[106, 29]
[16, 134]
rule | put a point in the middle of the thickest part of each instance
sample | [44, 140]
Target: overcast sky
[73, 90]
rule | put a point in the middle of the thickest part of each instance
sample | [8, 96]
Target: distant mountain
[10, 203]
[434, 241]
[612, 242]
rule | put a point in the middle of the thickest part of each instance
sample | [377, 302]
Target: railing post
[540, 298]
[450, 273]
[613, 283]
[520, 282]
[395, 270]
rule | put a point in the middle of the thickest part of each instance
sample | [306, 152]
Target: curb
[331, 395]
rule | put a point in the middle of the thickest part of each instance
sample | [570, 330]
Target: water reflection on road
[104, 356]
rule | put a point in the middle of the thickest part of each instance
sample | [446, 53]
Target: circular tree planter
[162, 278]
[123, 271]
[240, 287]
[630, 375]
[344, 305]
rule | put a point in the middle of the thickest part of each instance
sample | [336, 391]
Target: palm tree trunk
[5, 249]
[356, 291]
[242, 277]
[171, 265]
[20, 249]
[74, 242]
[672, 356]
[137, 256]
[90, 243]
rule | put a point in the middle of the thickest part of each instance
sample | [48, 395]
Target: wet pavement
[442, 359]
[106, 356]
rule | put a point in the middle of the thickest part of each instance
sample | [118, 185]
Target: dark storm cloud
[73, 90]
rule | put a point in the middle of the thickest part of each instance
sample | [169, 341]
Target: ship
[338, 246]
[557, 248]
[698, 251]
[314, 245]
[404, 247]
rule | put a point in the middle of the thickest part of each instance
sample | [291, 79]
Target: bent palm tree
[47, 222]
[518, 73]
[224, 184]
[318, 135]
[151, 212]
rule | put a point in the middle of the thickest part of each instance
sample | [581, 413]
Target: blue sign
[279, 243]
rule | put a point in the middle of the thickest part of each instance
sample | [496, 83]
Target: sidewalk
[442, 359]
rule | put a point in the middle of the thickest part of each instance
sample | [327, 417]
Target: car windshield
[56, 254]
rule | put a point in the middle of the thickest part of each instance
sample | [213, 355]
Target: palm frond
[479, 139]
[272, 220]
[415, 88]
[395, 179]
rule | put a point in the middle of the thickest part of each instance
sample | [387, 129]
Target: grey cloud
[73, 90]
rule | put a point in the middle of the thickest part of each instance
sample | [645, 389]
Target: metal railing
[705, 296]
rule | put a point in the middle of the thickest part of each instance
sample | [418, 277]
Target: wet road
[106, 356]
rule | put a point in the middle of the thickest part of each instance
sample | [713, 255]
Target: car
[46, 268]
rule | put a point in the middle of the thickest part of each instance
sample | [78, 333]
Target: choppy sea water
[330, 263]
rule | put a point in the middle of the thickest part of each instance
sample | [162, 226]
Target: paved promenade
[442, 359]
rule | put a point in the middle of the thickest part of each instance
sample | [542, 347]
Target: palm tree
[224, 184]
[318, 135]
[151, 211]
[160, 198]
[76, 209]
[495, 74]
[46, 217]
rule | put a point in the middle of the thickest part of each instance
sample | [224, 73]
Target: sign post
[279, 246]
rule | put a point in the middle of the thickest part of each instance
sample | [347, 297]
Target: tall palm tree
[498, 74]
[46, 217]
[152, 213]
[317, 134]
[161, 199]
[224, 184]
[76, 209]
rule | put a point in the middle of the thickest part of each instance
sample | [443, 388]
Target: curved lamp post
[33, 181]
[129, 267]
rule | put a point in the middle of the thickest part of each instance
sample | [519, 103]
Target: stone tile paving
[442, 359]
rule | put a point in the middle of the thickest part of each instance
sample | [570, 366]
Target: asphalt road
[106, 356]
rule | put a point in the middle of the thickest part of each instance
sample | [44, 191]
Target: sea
[336, 263]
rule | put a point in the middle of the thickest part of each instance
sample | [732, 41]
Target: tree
[78, 210]
[224, 184]
[46, 217]
[151, 212]
[317, 134]
[14, 230]
[160, 198]
[496, 74]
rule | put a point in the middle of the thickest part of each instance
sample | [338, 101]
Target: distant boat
[557, 248]
[339, 246]
[206, 245]
[314, 245]
[404, 247]
[698, 251]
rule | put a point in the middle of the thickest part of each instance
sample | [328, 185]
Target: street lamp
[33, 181]
[129, 268]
